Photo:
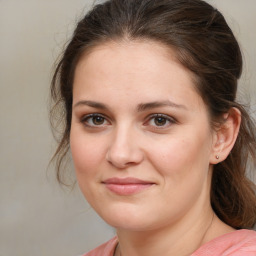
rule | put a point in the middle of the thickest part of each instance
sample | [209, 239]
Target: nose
[124, 149]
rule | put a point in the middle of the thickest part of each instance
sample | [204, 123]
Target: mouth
[126, 186]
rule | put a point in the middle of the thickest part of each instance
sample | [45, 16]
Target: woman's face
[140, 136]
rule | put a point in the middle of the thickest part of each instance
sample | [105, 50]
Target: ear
[225, 136]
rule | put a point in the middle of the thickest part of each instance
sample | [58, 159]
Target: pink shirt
[238, 243]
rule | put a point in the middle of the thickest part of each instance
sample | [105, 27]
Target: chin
[128, 218]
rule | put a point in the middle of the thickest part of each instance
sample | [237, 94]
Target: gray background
[37, 217]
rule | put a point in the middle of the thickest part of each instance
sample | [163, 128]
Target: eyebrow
[141, 107]
[156, 104]
[90, 103]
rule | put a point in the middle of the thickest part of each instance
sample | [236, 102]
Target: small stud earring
[217, 157]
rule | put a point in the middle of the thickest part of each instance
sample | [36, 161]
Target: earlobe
[225, 136]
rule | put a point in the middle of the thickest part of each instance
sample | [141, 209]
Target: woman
[159, 144]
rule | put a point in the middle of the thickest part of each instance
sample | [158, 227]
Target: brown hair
[204, 44]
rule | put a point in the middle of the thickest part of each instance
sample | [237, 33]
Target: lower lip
[127, 189]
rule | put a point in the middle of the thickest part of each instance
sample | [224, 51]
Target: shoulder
[106, 249]
[238, 243]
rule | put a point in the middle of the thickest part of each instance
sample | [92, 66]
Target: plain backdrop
[37, 217]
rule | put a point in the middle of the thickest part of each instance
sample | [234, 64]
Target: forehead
[130, 51]
[143, 69]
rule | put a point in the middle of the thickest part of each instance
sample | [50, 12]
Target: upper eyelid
[92, 115]
[161, 115]
[83, 115]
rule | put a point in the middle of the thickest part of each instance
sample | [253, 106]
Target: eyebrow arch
[156, 104]
[90, 103]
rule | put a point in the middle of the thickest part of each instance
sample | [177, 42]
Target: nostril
[116, 159]
[124, 158]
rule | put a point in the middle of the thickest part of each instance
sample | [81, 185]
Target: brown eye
[94, 120]
[98, 120]
[160, 121]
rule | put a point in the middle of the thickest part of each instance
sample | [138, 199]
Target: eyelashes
[95, 120]
[156, 121]
[160, 121]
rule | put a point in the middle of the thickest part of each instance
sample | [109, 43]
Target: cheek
[184, 167]
[86, 153]
[182, 155]
[87, 156]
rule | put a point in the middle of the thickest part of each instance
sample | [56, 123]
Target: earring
[217, 157]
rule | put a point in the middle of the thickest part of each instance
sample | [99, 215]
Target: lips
[126, 186]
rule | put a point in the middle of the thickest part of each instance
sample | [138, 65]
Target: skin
[124, 138]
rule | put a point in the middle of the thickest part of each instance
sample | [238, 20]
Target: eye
[160, 121]
[93, 120]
